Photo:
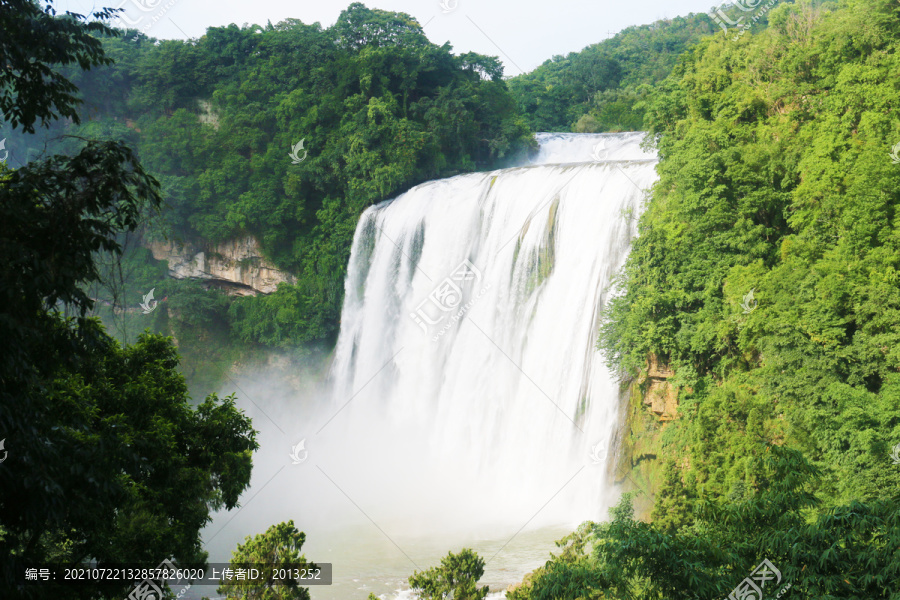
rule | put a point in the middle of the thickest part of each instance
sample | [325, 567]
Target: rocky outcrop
[649, 405]
[661, 396]
[207, 115]
[237, 266]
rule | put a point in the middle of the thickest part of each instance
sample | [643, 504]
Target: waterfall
[467, 390]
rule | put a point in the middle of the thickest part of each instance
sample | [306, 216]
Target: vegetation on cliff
[766, 276]
[766, 269]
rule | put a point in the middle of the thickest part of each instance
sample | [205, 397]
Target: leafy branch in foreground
[279, 550]
[456, 577]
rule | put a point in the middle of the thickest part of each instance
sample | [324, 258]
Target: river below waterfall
[364, 562]
[373, 564]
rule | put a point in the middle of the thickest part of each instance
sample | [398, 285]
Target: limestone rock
[661, 395]
[237, 266]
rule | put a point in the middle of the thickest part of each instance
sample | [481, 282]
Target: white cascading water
[468, 391]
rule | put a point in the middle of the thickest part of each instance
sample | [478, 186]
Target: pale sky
[523, 34]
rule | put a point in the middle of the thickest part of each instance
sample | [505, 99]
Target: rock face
[661, 396]
[237, 265]
[649, 404]
[207, 115]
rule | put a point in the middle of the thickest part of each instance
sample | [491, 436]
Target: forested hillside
[776, 177]
[605, 87]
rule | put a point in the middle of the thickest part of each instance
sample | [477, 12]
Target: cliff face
[649, 406]
[661, 396]
[236, 266]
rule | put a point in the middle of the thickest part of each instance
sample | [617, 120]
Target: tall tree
[278, 551]
[455, 578]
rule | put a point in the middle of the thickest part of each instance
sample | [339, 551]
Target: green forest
[765, 276]
[607, 86]
[602, 87]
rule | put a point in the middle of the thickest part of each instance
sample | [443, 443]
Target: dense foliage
[606, 86]
[765, 276]
[377, 107]
[276, 550]
[766, 269]
[456, 577]
[597, 88]
[105, 458]
[850, 551]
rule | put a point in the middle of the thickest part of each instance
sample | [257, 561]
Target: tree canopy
[456, 577]
[606, 86]
[850, 551]
[278, 549]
